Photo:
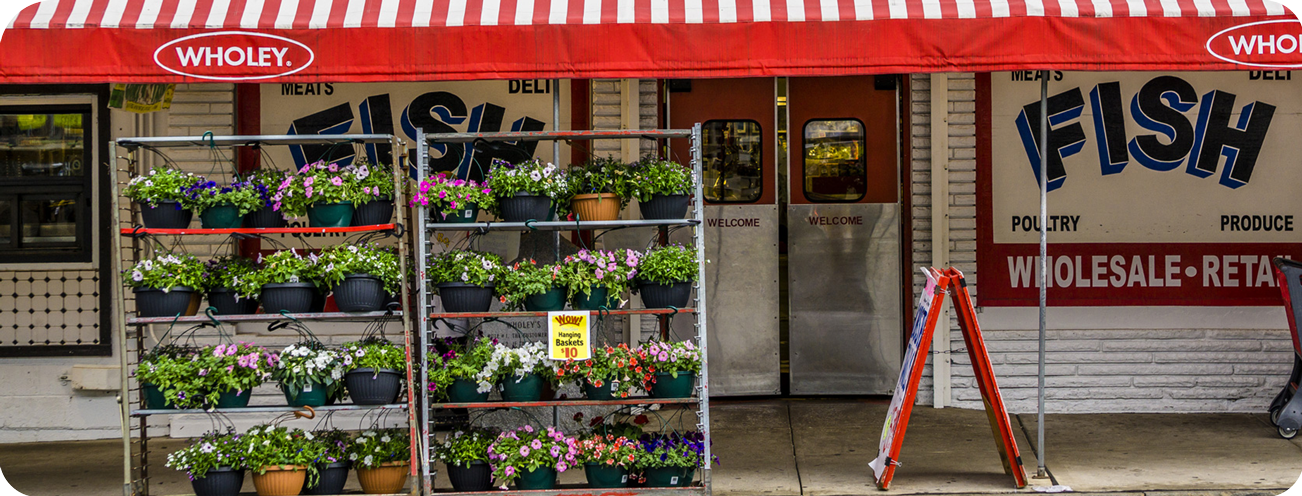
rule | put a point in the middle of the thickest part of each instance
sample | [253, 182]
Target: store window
[45, 184]
[835, 167]
[732, 161]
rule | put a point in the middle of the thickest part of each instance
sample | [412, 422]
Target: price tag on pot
[567, 336]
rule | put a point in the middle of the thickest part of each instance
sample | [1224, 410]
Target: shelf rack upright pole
[422, 319]
[119, 307]
[703, 393]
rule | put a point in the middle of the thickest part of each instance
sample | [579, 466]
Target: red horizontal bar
[127, 231]
[641, 400]
[630, 311]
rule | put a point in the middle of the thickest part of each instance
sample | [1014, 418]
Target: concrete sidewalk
[822, 448]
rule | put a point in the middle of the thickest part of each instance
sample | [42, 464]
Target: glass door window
[732, 155]
[835, 168]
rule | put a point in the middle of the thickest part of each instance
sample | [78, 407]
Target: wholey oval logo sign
[1273, 44]
[233, 56]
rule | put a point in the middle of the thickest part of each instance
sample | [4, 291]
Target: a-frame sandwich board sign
[897, 417]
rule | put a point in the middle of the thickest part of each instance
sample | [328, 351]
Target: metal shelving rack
[425, 318]
[136, 465]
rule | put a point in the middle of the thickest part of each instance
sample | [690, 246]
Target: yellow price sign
[567, 336]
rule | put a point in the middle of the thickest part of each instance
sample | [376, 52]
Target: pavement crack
[1035, 450]
[795, 461]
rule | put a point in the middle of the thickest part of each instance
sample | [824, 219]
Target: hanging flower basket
[330, 214]
[280, 480]
[596, 206]
[665, 207]
[221, 481]
[374, 212]
[333, 478]
[153, 302]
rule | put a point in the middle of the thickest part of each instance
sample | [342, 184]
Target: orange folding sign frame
[930, 303]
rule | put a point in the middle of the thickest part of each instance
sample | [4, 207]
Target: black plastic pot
[167, 215]
[462, 297]
[359, 293]
[677, 295]
[265, 218]
[366, 387]
[522, 207]
[373, 212]
[477, 477]
[333, 478]
[665, 207]
[221, 481]
[294, 297]
[152, 302]
[318, 300]
[223, 300]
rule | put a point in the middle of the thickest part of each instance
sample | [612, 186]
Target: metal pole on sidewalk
[1044, 252]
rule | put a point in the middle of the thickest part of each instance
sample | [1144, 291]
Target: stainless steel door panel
[843, 267]
[741, 280]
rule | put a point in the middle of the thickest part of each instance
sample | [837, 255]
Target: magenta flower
[309, 181]
[334, 168]
[337, 181]
[536, 444]
[524, 451]
[308, 192]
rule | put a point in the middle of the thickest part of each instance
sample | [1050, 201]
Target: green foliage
[448, 195]
[582, 271]
[527, 278]
[531, 177]
[374, 182]
[269, 446]
[651, 176]
[461, 448]
[527, 449]
[374, 354]
[161, 184]
[308, 363]
[668, 265]
[376, 446]
[286, 266]
[265, 182]
[469, 267]
[334, 445]
[317, 182]
[210, 451]
[512, 364]
[198, 380]
[207, 194]
[233, 273]
[173, 370]
[338, 261]
[602, 175]
[166, 271]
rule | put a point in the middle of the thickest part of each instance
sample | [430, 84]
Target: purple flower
[337, 181]
[524, 451]
[536, 444]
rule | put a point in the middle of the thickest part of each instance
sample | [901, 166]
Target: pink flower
[334, 168]
[308, 192]
[337, 181]
[309, 181]
[524, 451]
[443, 194]
[600, 274]
[424, 187]
[276, 206]
[536, 444]
[510, 471]
[304, 169]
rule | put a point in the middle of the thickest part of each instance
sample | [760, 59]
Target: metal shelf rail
[425, 319]
[136, 468]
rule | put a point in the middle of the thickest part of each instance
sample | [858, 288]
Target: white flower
[367, 460]
[384, 439]
[535, 175]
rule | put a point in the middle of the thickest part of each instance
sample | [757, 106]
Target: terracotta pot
[280, 480]
[388, 478]
[595, 207]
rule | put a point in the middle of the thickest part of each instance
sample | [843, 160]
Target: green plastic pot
[605, 392]
[230, 399]
[313, 395]
[551, 301]
[669, 476]
[465, 391]
[330, 214]
[541, 478]
[467, 213]
[154, 399]
[528, 388]
[605, 476]
[222, 216]
[668, 386]
[597, 297]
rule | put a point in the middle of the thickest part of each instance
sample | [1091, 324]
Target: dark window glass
[732, 156]
[42, 145]
[44, 183]
[6, 222]
[50, 222]
[835, 168]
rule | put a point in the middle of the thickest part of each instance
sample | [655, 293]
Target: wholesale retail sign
[567, 336]
[1164, 188]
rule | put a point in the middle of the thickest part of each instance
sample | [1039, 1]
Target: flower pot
[462, 297]
[523, 207]
[220, 481]
[605, 476]
[667, 386]
[294, 297]
[152, 302]
[467, 212]
[661, 207]
[330, 214]
[224, 303]
[367, 387]
[465, 391]
[478, 476]
[596, 206]
[655, 295]
[527, 388]
[265, 218]
[332, 479]
[280, 480]
[552, 300]
[378, 211]
[542, 478]
[318, 301]
[313, 394]
[596, 298]
[359, 293]
[223, 216]
[168, 214]
[605, 392]
[388, 478]
[234, 399]
[669, 476]
[154, 398]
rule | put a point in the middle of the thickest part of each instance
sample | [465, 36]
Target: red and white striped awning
[404, 40]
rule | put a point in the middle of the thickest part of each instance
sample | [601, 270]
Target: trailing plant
[470, 267]
[172, 369]
[463, 447]
[668, 265]
[616, 365]
[374, 353]
[527, 449]
[308, 363]
[233, 273]
[286, 266]
[526, 278]
[269, 446]
[233, 367]
[661, 450]
[602, 175]
[374, 182]
[338, 261]
[334, 445]
[210, 451]
[512, 364]
[166, 271]
[317, 182]
[449, 195]
[659, 357]
[162, 184]
[652, 176]
[457, 361]
[531, 177]
[266, 182]
[207, 194]
[600, 425]
[587, 268]
[376, 446]
[609, 450]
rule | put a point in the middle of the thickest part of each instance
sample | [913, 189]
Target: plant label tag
[623, 479]
[470, 214]
[567, 336]
[673, 481]
[307, 388]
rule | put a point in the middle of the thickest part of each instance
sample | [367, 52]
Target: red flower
[640, 420]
